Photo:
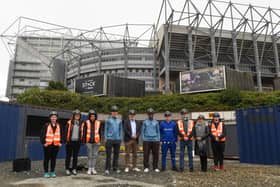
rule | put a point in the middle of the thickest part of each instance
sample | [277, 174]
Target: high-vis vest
[53, 137]
[69, 129]
[182, 130]
[217, 131]
[96, 131]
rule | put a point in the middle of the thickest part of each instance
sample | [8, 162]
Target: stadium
[238, 36]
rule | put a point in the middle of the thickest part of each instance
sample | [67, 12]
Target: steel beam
[166, 59]
[257, 61]
[99, 62]
[213, 47]
[235, 51]
[155, 71]
[190, 46]
[125, 59]
[276, 55]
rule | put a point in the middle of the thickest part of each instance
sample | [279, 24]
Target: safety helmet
[150, 111]
[114, 108]
[167, 113]
[216, 114]
[52, 113]
[200, 116]
[77, 111]
[131, 112]
[184, 111]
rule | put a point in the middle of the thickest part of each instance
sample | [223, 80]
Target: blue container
[258, 132]
[9, 123]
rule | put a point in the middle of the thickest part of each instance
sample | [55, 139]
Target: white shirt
[133, 127]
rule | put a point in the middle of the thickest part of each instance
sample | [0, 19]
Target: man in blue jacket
[168, 139]
[151, 138]
[113, 138]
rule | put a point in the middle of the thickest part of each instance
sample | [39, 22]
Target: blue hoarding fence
[9, 124]
[258, 135]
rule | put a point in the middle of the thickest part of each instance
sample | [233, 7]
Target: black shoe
[175, 169]
[181, 170]
[191, 169]
[163, 169]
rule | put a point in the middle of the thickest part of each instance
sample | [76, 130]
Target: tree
[56, 85]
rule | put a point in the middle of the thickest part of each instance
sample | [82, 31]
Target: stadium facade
[241, 37]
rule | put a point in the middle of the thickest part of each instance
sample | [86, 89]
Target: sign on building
[203, 80]
[92, 85]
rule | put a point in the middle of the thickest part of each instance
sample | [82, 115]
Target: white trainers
[93, 171]
[136, 169]
[68, 172]
[118, 171]
[157, 170]
[89, 171]
[107, 172]
[146, 170]
[74, 172]
[126, 170]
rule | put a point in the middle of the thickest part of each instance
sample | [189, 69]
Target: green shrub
[214, 101]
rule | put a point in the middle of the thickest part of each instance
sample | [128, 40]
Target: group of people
[154, 135]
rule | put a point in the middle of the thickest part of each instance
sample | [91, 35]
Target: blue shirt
[168, 131]
[113, 129]
[150, 131]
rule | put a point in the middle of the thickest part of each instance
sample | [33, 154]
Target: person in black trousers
[113, 138]
[218, 139]
[73, 137]
[200, 133]
[51, 139]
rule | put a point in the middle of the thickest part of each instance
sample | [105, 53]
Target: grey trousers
[93, 150]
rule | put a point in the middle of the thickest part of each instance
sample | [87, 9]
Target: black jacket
[67, 129]
[201, 146]
[128, 132]
[44, 131]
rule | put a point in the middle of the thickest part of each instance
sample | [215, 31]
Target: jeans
[189, 145]
[164, 148]
[110, 145]
[93, 150]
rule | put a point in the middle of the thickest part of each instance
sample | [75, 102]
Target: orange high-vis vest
[182, 130]
[53, 137]
[217, 131]
[96, 131]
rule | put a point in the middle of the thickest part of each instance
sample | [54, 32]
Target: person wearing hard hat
[168, 140]
[218, 139]
[92, 138]
[151, 141]
[132, 131]
[51, 138]
[73, 137]
[113, 138]
[200, 133]
[185, 127]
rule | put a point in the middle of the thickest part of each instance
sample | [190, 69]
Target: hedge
[214, 101]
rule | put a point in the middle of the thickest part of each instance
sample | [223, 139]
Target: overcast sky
[87, 14]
